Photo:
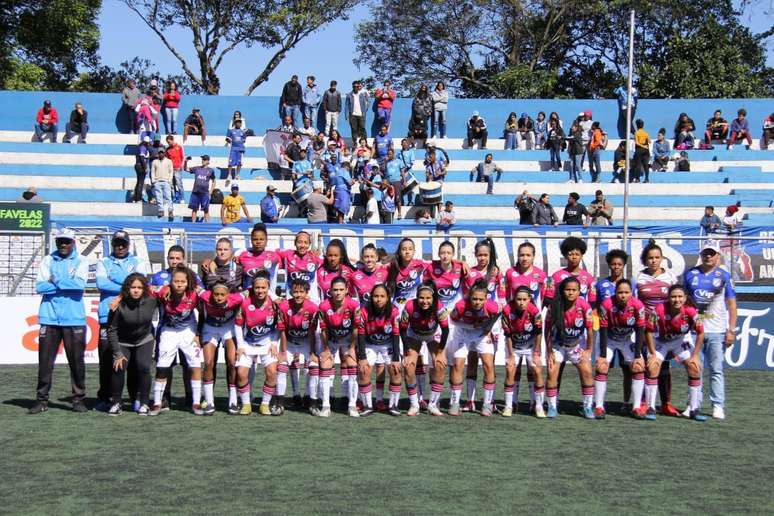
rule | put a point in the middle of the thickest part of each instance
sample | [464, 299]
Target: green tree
[108, 79]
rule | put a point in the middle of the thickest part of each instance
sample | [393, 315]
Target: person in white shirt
[162, 173]
[447, 217]
[372, 208]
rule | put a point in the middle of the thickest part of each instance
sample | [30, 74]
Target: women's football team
[404, 320]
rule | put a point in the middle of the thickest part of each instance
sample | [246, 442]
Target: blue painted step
[116, 149]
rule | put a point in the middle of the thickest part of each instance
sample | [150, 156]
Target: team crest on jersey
[533, 285]
[251, 308]
[270, 319]
[358, 276]
[310, 266]
[413, 274]
[583, 289]
[456, 283]
[305, 325]
[695, 281]
[684, 328]
[528, 327]
[716, 282]
[437, 271]
[467, 313]
[615, 309]
[491, 287]
[630, 321]
[387, 328]
[579, 323]
[330, 311]
[346, 323]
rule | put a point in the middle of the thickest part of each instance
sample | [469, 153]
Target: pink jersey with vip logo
[522, 327]
[407, 280]
[577, 321]
[338, 324]
[297, 323]
[378, 330]
[180, 314]
[621, 322]
[219, 315]
[361, 282]
[534, 280]
[465, 316]
[587, 290]
[300, 267]
[253, 263]
[448, 283]
[325, 279]
[654, 290]
[423, 323]
[494, 285]
[668, 327]
[258, 322]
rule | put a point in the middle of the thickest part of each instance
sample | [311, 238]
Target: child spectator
[78, 124]
[717, 129]
[447, 217]
[423, 217]
[194, 125]
[46, 122]
[710, 222]
[171, 107]
[733, 218]
[740, 130]
[145, 119]
[236, 138]
[661, 151]
[619, 163]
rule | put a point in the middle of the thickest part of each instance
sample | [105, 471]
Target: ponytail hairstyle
[368, 247]
[373, 312]
[479, 285]
[647, 249]
[345, 261]
[219, 283]
[428, 285]
[491, 267]
[395, 266]
[624, 281]
[559, 305]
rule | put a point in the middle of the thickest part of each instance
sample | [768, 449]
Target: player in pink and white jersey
[298, 344]
[523, 327]
[473, 318]
[370, 274]
[257, 343]
[301, 263]
[524, 273]
[258, 258]
[569, 336]
[338, 335]
[404, 274]
[665, 334]
[447, 274]
[335, 264]
[424, 323]
[573, 249]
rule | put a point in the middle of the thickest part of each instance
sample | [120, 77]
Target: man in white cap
[712, 291]
[61, 281]
[477, 130]
[317, 204]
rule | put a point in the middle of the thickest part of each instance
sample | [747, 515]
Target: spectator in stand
[233, 205]
[236, 138]
[619, 163]
[331, 104]
[555, 143]
[622, 94]
[576, 149]
[485, 172]
[684, 128]
[286, 126]
[544, 214]
[317, 204]
[585, 122]
[194, 126]
[156, 100]
[291, 154]
[385, 97]
[270, 206]
[405, 158]
[338, 140]
[575, 213]
[526, 132]
[422, 106]
[768, 131]
[145, 119]
[171, 107]
[554, 117]
[596, 146]
[78, 124]
[710, 222]
[417, 129]
[541, 131]
[291, 99]
[46, 122]
[342, 193]
[682, 163]
[387, 204]
[311, 98]
[641, 152]
[476, 130]
[382, 145]
[130, 98]
[511, 132]
[393, 173]
[302, 169]
[176, 153]
[371, 208]
[435, 170]
[238, 116]
[733, 218]
[30, 195]
[525, 203]
[356, 107]
[162, 174]
[447, 217]
[661, 151]
[423, 217]
[717, 128]
[61, 281]
[601, 210]
[740, 130]
[440, 98]
[308, 130]
[204, 184]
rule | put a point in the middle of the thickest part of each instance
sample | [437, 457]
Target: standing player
[667, 329]
[569, 336]
[523, 327]
[378, 342]
[572, 249]
[297, 328]
[256, 335]
[620, 316]
[473, 319]
[653, 284]
[301, 263]
[424, 323]
[447, 274]
[335, 264]
[338, 335]
[258, 258]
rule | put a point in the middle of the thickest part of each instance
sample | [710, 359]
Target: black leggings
[139, 362]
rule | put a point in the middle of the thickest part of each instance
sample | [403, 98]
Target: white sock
[470, 388]
[588, 396]
[394, 395]
[268, 392]
[600, 389]
[489, 392]
[651, 390]
[638, 385]
[313, 382]
[539, 397]
[551, 401]
[365, 395]
[694, 393]
[244, 395]
[196, 391]
[456, 392]
[435, 393]
[421, 382]
[158, 391]
[209, 395]
[508, 391]
[326, 383]
[232, 395]
[282, 379]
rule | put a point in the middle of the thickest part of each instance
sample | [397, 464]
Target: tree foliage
[564, 48]
[107, 79]
[217, 27]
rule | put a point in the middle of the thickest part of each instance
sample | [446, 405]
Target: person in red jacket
[171, 104]
[46, 122]
[385, 96]
[176, 153]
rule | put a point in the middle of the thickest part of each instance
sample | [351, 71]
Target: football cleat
[380, 406]
[353, 412]
[155, 410]
[246, 409]
[540, 413]
[209, 409]
[114, 410]
[650, 414]
[507, 412]
[324, 412]
[143, 410]
[233, 410]
[469, 406]
[639, 413]
[367, 411]
[434, 411]
[599, 412]
[394, 411]
[588, 413]
[669, 410]
[454, 409]
[164, 405]
[696, 415]
[551, 414]
[79, 406]
[413, 411]
[197, 409]
[264, 409]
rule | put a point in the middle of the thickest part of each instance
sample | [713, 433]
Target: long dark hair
[190, 277]
[372, 310]
[479, 285]
[127, 284]
[491, 267]
[396, 266]
[559, 305]
[336, 242]
[427, 285]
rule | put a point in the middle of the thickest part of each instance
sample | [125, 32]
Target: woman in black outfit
[130, 335]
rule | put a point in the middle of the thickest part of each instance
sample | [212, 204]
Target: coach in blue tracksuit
[61, 281]
[111, 272]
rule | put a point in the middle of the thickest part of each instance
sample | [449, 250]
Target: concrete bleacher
[93, 180]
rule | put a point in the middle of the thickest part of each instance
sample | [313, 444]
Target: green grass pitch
[65, 463]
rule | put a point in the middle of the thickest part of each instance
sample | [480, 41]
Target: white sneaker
[324, 412]
[353, 412]
[718, 412]
[686, 412]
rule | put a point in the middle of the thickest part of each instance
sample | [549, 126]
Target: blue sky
[327, 54]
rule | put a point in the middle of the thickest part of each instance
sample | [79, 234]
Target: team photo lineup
[408, 322]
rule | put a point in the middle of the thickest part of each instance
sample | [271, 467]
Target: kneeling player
[569, 336]
[523, 328]
[666, 332]
[619, 317]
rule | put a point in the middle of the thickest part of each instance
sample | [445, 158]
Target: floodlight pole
[628, 131]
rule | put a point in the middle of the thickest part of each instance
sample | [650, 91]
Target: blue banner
[754, 347]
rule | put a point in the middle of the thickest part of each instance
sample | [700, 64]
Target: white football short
[173, 340]
[572, 354]
[681, 349]
[217, 335]
[259, 354]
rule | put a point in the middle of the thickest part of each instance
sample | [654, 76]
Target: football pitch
[66, 463]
